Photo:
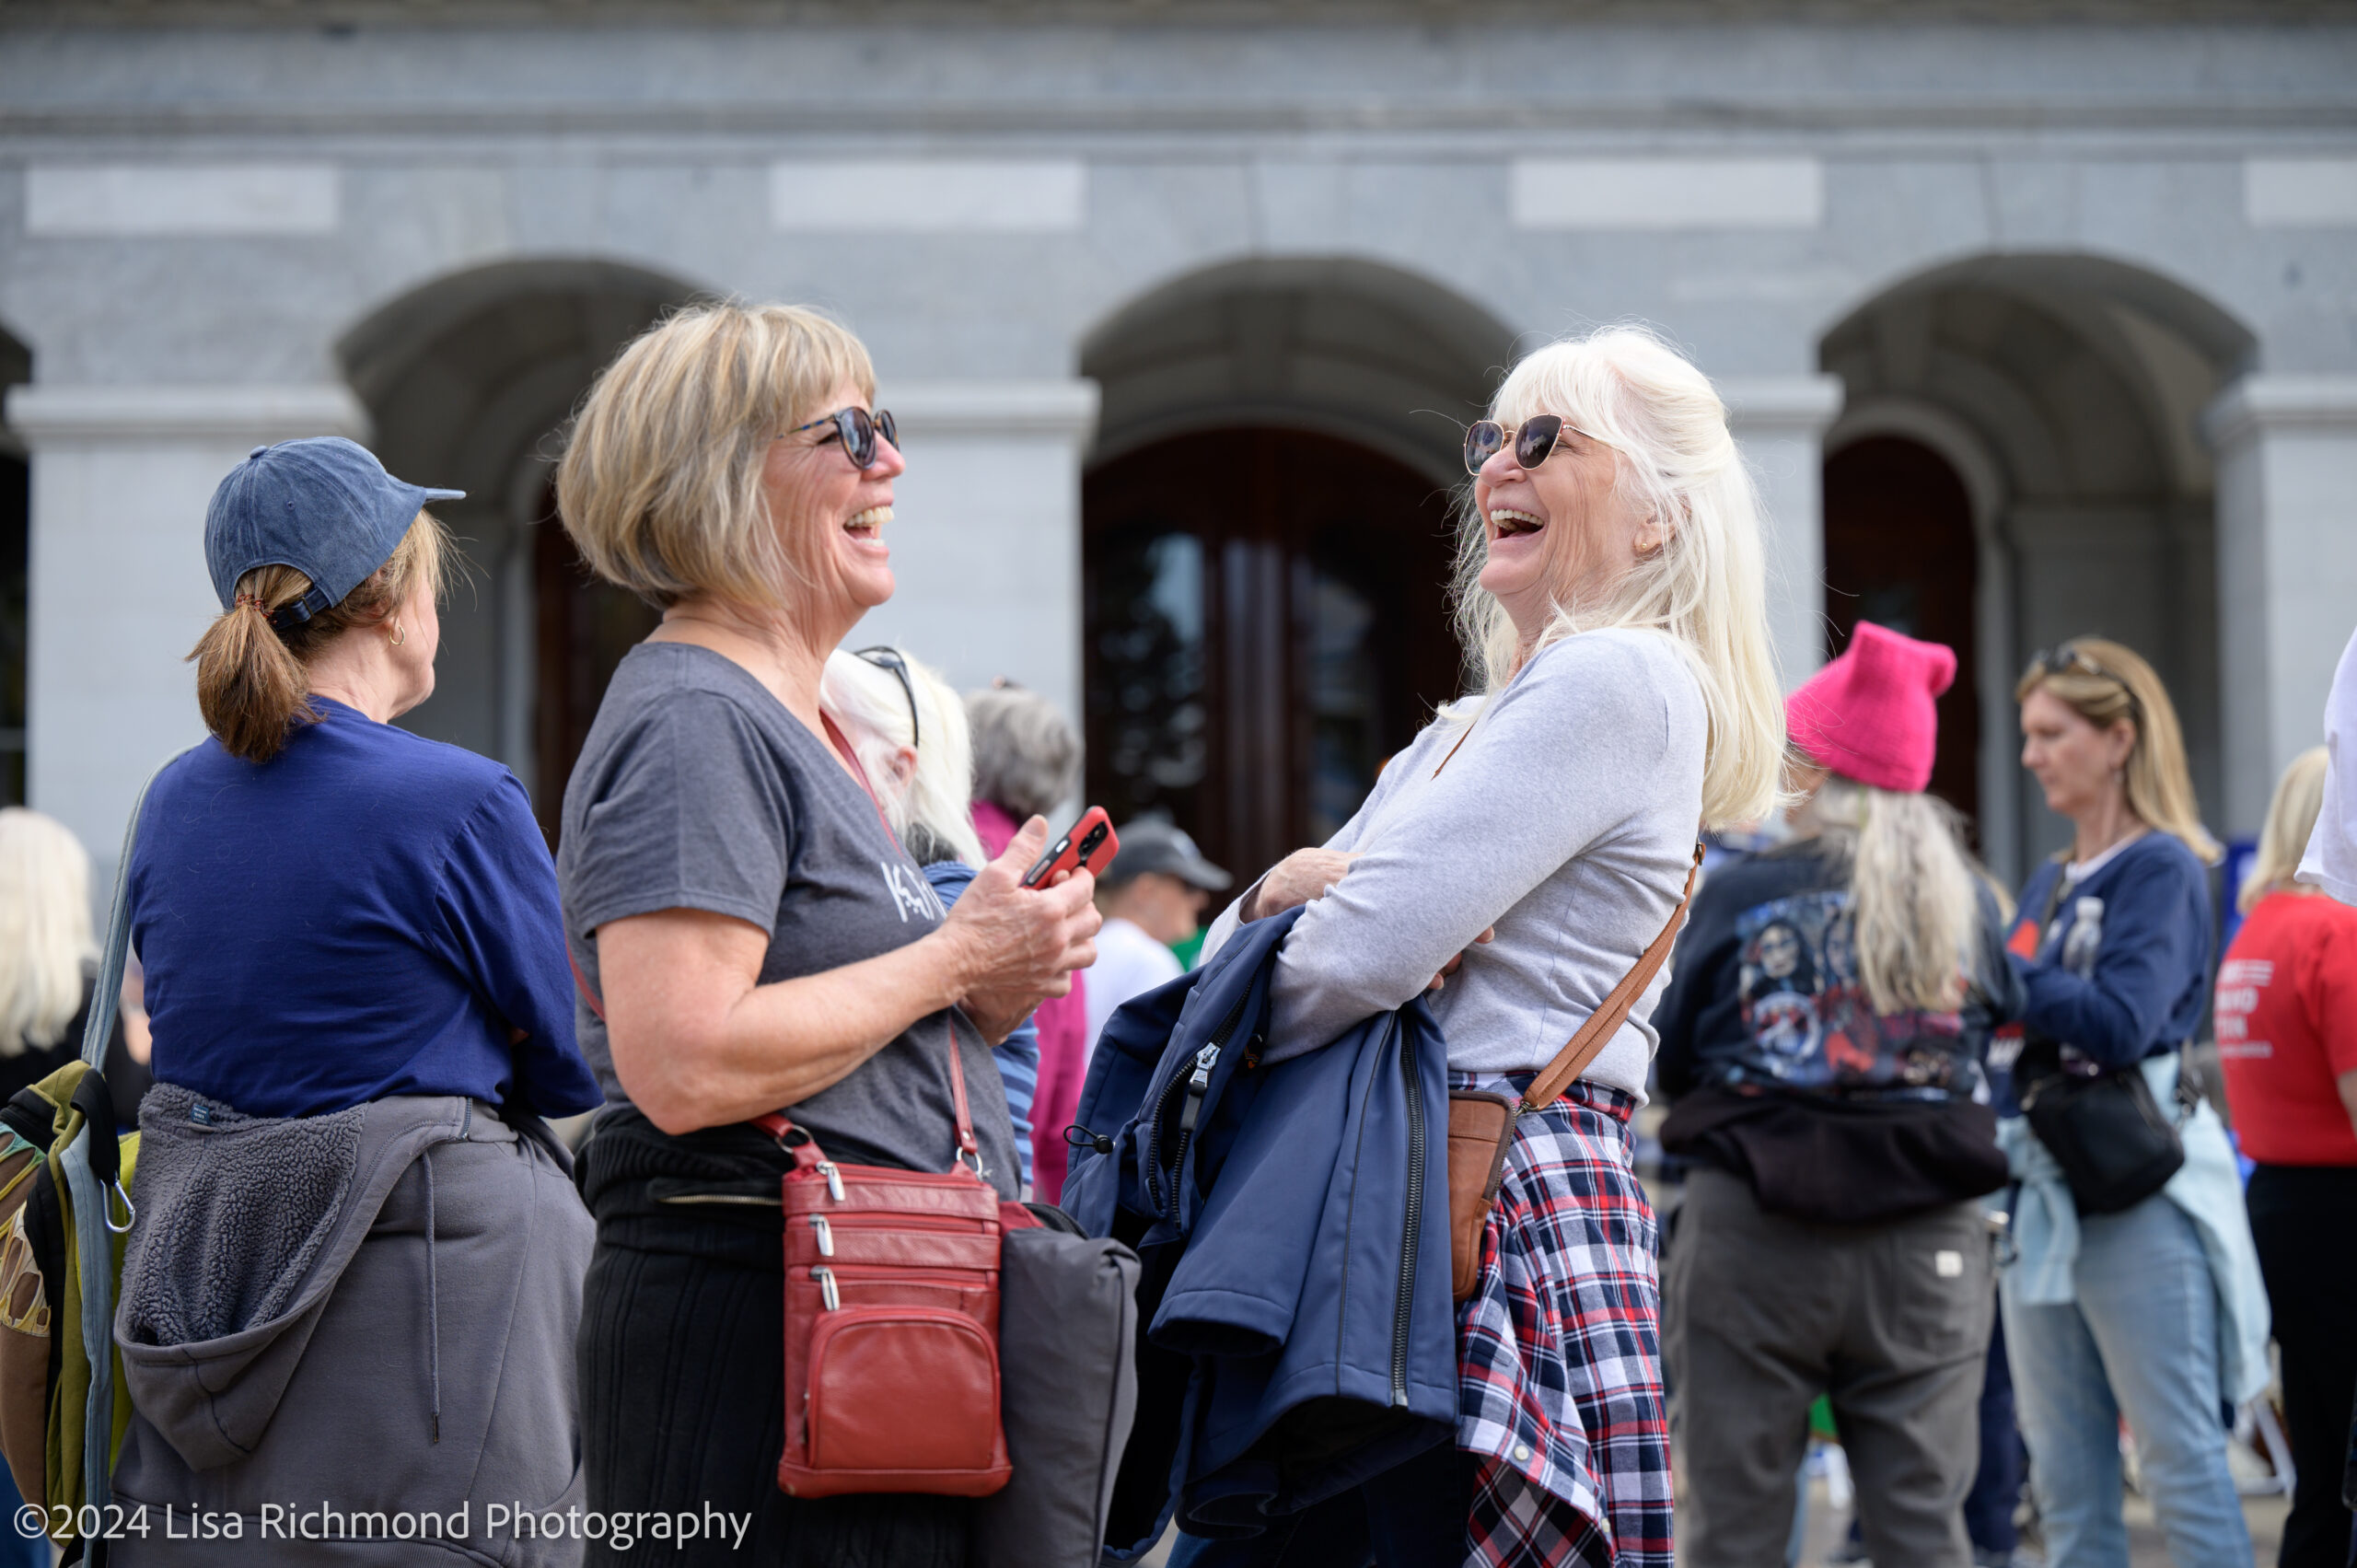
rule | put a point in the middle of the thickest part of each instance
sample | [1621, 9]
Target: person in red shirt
[2287, 1038]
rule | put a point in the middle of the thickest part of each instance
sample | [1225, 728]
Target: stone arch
[1266, 537]
[2065, 390]
[1340, 345]
[466, 380]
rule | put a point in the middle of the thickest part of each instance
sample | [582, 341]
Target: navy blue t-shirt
[367, 913]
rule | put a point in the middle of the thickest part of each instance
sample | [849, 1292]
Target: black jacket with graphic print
[1784, 1073]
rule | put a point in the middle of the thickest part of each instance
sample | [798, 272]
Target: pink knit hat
[1868, 715]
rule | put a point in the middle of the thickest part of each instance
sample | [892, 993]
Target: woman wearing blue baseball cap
[355, 1272]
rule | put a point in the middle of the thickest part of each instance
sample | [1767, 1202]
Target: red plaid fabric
[1559, 1378]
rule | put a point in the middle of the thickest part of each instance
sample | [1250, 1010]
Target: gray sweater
[1566, 820]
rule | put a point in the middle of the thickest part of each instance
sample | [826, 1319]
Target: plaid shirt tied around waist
[1558, 1349]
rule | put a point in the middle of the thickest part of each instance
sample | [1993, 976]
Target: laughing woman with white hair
[1611, 597]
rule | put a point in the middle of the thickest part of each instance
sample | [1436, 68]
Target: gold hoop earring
[399, 636]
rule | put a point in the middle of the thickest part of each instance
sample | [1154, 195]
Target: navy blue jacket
[1292, 1222]
[2152, 973]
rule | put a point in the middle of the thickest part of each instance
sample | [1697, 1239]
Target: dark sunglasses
[858, 430]
[2070, 656]
[1534, 440]
[889, 658]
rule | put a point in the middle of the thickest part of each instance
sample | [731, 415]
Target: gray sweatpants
[1891, 1321]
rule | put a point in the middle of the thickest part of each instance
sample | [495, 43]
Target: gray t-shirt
[697, 789]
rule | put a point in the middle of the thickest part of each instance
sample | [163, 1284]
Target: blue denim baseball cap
[323, 506]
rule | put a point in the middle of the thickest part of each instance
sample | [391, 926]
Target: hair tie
[255, 599]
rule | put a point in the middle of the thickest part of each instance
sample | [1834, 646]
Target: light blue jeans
[2140, 1339]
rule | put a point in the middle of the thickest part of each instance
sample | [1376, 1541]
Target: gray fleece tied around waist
[374, 1310]
[237, 1209]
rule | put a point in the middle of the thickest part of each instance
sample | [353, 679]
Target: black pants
[682, 1406]
[2304, 1220]
[682, 1357]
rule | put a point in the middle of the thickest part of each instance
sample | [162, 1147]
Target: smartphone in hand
[1088, 844]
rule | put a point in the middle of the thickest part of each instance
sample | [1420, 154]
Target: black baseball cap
[1153, 845]
[323, 506]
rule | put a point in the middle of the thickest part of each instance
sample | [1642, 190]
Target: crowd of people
[1947, 1161]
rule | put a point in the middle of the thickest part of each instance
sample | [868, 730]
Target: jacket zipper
[1196, 1086]
[1410, 1231]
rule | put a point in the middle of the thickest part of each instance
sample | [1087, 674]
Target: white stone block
[125, 201]
[2284, 193]
[928, 196]
[1668, 194]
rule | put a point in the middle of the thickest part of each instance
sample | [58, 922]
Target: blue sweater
[2152, 971]
[367, 913]
[1018, 1055]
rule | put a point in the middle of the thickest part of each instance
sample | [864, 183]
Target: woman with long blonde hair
[1532, 844]
[2153, 1312]
[1824, 1037]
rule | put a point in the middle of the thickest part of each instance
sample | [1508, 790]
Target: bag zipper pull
[826, 1235]
[834, 1180]
[826, 1278]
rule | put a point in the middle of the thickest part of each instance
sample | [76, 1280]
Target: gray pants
[1890, 1321]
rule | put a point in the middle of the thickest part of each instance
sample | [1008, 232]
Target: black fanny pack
[2116, 1145]
[2101, 1124]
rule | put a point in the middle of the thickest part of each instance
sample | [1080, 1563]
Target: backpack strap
[1558, 1074]
[92, 1162]
[108, 998]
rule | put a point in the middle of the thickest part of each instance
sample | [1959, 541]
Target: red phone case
[1067, 853]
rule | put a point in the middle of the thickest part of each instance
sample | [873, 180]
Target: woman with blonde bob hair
[749, 934]
[2154, 1311]
[1528, 847]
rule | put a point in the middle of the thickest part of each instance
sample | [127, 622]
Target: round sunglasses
[858, 430]
[1534, 440]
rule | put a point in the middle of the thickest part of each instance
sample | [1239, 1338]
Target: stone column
[2287, 571]
[120, 475]
[1780, 422]
[985, 532]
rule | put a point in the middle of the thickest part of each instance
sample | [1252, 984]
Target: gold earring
[399, 636]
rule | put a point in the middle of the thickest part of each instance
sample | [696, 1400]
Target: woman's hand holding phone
[1019, 944]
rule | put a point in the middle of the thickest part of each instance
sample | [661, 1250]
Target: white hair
[1706, 587]
[931, 804]
[1915, 899]
[44, 929]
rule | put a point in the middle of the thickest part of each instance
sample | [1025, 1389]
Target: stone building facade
[2031, 322]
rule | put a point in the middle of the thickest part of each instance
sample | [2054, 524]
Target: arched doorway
[1899, 551]
[2059, 393]
[467, 380]
[1266, 625]
[1267, 542]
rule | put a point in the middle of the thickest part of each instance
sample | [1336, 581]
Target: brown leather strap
[1549, 1086]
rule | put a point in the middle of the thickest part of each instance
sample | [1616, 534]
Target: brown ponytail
[253, 679]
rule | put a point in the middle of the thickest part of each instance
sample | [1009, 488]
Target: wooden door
[585, 625]
[1266, 623]
[1899, 551]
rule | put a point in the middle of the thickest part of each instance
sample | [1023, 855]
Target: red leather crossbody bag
[891, 1322]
